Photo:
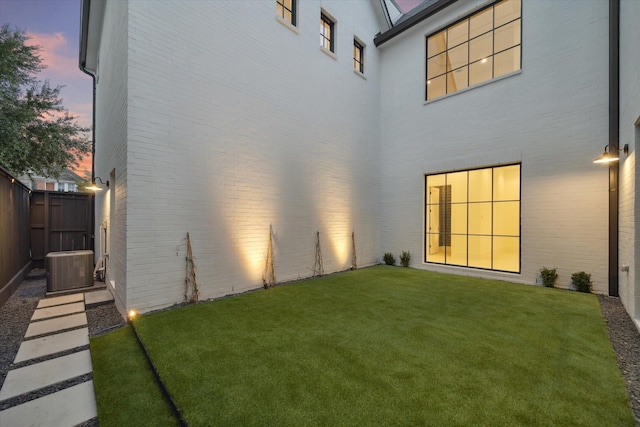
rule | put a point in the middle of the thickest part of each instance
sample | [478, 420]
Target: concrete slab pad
[57, 324]
[52, 344]
[58, 310]
[34, 377]
[49, 302]
[68, 407]
[93, 299]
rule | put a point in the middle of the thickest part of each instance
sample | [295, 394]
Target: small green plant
[389, 259]
[405, 258]
[549, 276]
[582, 282]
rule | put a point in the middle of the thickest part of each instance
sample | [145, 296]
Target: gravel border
[15, 316]
[16, 313]
[625, 340]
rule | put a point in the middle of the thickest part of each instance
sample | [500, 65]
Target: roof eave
[414, 20]
[91, 17]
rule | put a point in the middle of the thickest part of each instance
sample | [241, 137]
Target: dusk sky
[54, 25]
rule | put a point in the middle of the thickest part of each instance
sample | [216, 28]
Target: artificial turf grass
[386, 345]
[126, 392]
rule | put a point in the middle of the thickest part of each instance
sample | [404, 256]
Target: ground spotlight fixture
[95, 187]
[132, 314]
[607, 156]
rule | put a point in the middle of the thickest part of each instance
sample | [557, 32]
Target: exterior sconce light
[608, 157]
[95, 187]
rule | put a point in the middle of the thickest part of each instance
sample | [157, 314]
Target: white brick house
[462, 131]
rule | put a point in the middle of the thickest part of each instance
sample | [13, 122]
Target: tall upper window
[286, 9]
[358, 56]
[478, 48]
[472, 218]
[327, 33]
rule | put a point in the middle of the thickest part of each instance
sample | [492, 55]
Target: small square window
[286, 9]
[358, 56]
[327, 30]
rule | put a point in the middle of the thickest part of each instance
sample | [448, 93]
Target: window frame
[469, 38]
[325, 18]
[427, 234]
[358, 64]
[280, 4]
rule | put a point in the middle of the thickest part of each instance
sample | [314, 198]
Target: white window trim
[334, 34]
[477, 85]
[287, 24]
[364, 56]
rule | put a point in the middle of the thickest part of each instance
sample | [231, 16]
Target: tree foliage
[37, 134]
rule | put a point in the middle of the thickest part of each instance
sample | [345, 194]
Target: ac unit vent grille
[69, 270]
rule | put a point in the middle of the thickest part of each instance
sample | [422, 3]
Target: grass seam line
[159, 381]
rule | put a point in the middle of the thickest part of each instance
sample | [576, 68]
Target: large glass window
[286, 9]
[481, 47]
[472, 218]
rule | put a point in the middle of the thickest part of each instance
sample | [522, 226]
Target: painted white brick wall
[552, 117]
[220, 121]
[111, 143]
[629, 232]
[236, 123]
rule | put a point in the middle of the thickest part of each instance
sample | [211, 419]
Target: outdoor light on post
[95, 187]
[607, 156]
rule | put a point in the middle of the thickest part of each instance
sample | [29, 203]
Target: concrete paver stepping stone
[66, 299]
[36, 376]
[97, 297]
[57, 324]
[68, 407]
[52, 344]
[58, 310]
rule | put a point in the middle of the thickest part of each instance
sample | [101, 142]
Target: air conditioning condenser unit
[69, 270]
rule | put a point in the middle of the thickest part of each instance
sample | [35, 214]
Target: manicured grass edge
[167, 396]
[124, 385]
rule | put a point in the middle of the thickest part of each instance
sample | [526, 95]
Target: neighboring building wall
[629, 234]
[235, 123]
[111, 145]
[552, 117]
[65, 183]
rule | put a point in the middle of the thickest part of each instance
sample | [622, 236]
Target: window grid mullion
[493, 41]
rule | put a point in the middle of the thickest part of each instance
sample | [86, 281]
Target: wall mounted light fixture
[95, 187]
[607, 156]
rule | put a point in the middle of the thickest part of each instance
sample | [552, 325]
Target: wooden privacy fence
[15, 261]
[60, 222]
[34, 223]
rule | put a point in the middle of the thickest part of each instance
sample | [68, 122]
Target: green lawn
[126, 393]
[384, 346]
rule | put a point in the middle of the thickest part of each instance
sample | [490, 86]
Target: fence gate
[60, 222]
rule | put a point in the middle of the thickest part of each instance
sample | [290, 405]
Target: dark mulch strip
[103, 319]
[16, 313]
[625, 339]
